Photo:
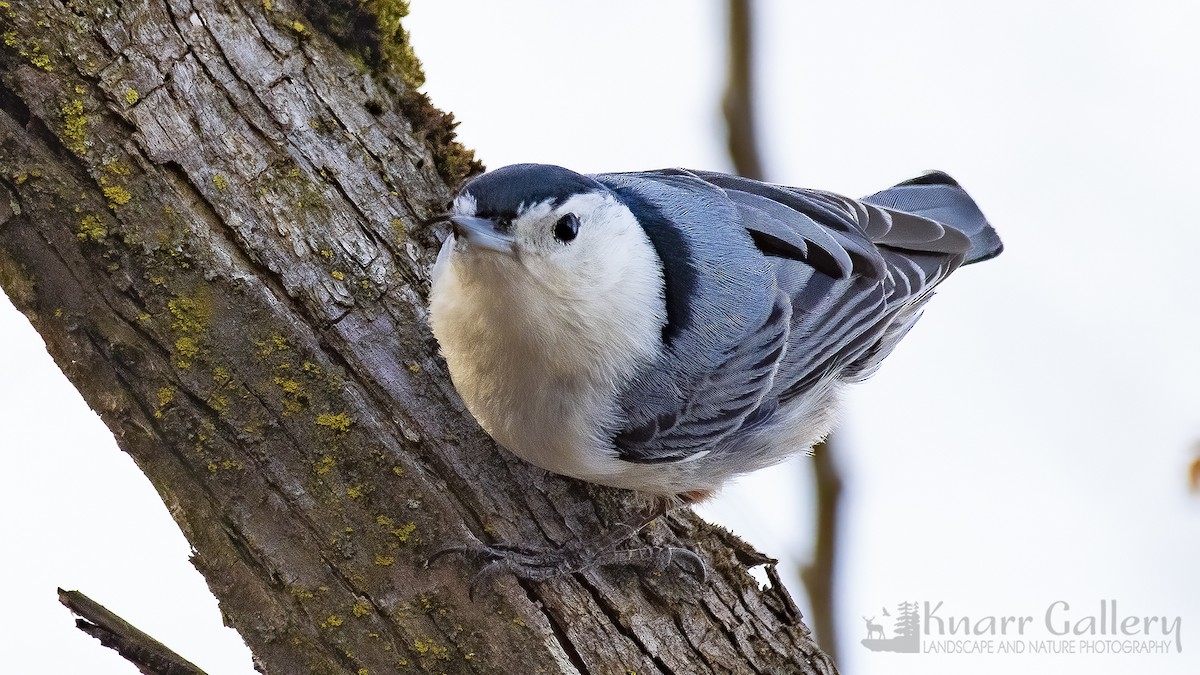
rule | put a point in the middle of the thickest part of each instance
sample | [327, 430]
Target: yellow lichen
[338, 422]
[219, 181]
[326, 253]
[165, 396]
[405, 531]
[399, 229]
[90, 228]
[267, 5]
[190, 315]
[332, 622]
[116, 168]
[354, 491]
[117, 196]
[428, 646]
[75, 127]
[131, 96]
[10, 38]
[289, 386]
[363, 671]
[338, 275]
[398, 470]
[361, 609]
[219, 403]
[324, 466]
[297, 26]
[188, 350]
[384, 560]
[221, 376]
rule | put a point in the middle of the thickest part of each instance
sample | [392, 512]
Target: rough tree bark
[210, 210]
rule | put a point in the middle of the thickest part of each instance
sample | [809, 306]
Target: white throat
[540, 349]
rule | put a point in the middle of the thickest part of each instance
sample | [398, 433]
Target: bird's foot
[542, 564]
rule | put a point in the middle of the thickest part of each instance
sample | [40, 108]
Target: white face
[585, 252]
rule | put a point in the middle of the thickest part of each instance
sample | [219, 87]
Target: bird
[665, 331]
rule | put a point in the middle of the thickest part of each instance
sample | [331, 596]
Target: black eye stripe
[566, 228]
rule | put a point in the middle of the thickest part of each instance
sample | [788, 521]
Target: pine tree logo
[906, 631]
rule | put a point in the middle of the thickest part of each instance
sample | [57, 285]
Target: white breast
[539, 351]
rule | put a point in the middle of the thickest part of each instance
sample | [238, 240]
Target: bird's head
[553, 259]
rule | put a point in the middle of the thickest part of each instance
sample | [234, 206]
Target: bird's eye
[566, 228]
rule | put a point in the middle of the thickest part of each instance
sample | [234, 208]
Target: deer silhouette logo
[906, 631]
[874, 629]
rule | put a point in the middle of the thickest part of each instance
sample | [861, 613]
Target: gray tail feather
[939, 197]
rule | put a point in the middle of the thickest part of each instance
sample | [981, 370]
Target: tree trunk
[211, 211]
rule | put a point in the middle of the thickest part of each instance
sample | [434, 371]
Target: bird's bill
[481, 232]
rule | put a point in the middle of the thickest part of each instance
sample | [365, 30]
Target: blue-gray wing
[834, 284]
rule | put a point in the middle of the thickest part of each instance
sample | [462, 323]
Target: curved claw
[689, 558]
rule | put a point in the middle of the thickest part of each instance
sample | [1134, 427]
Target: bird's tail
[939, 197]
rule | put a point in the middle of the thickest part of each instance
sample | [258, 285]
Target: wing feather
[846, 280]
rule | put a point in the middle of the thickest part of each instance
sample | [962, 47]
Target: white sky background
[1028, 442]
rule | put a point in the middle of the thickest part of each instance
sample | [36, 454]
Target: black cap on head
[503, 191]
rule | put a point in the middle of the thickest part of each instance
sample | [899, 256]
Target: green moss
[131, 96]
[339, 422]
[91, 229]
[117, 196]
[75, 127]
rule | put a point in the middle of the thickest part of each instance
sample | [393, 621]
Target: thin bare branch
[149, 655]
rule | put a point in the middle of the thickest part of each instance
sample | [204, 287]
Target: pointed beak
[482, 233]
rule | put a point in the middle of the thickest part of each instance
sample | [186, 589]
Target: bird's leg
[580, 554]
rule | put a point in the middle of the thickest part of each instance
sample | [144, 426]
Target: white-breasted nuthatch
[664, 331]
